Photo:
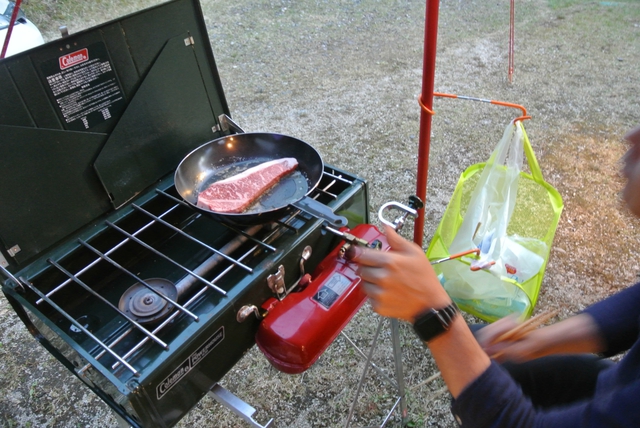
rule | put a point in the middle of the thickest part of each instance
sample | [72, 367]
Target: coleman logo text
[73, 58]
[187, 365]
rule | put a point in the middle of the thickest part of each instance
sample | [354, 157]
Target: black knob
[415, 202]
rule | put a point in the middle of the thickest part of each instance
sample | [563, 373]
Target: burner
[147, 303]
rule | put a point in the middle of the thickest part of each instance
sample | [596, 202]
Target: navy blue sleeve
[617, 317]
[494, 400]
[619, 408]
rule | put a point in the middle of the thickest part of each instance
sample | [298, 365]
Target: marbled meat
[235, 194]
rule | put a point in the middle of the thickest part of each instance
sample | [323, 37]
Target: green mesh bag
[512, 217]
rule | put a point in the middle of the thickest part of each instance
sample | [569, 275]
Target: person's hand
[502, 350]
[576, 334]
[400, 282]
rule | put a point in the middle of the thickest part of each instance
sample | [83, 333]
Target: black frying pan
[231, 155]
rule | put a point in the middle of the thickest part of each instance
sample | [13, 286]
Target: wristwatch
[433, 322]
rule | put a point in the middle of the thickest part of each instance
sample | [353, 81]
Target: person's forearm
[458, 356]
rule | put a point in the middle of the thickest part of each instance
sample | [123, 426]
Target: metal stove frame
[104, 363]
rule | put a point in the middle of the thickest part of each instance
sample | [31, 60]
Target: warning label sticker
[84, 87]
[335, 286]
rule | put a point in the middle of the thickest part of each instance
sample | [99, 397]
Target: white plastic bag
[493, 199]
[485, 226]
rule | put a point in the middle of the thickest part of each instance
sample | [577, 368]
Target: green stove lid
[89, 121]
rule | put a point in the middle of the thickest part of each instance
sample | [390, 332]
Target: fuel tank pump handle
[415, 204]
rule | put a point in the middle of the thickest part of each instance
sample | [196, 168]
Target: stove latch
[275, 281]
[277, 285]
[246, 311]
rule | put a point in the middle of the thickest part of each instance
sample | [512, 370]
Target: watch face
[429, 325]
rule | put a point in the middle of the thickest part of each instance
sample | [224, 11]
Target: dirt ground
[344, 75]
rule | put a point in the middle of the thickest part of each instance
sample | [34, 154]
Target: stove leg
[397, 354]
[367, 364]
[121, 422]
[399, 384]
[236, 405]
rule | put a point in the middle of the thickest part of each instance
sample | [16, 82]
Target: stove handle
[236, 405]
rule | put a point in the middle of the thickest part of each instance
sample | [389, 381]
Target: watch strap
[448, 313]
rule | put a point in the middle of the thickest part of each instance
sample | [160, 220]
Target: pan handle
[319, 210]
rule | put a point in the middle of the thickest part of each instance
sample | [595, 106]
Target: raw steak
[235, 194]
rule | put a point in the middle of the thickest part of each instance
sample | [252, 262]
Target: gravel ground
[344, 76]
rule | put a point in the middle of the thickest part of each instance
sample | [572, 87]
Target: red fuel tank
[298, 329]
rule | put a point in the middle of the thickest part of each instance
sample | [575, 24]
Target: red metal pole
[428, 81]
[511, 38]
[12, 22]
